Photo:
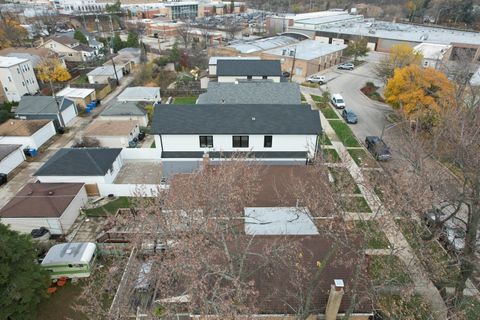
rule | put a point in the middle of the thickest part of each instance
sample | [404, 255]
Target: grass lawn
[344, 133]
[110, 207]
[329, 113]
[437, 262]
[59, 305]
[354, 204]
[331, 156]
[388, 271]
[83, 79]
[316, 98]
[153, 145]
[185, 100]
[375, 236]
[396, 307]
[302, 97]
[471, 308]
[362, 157]
[324, 140]
[343, 181]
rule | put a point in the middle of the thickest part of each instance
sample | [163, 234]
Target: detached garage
[54, 206]
[28, 133]
[113, 134]
[11, 156]
[45, 107]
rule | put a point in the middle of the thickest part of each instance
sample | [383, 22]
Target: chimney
[334, 299]
[206, 160]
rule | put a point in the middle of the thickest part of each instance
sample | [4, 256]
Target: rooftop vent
[253, 118]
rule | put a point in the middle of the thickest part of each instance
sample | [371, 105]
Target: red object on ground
[52, 290]
[61, 281]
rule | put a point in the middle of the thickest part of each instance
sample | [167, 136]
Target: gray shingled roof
[7, 149]
[41, 105]
[124, 109]
[251, 92]
[80, 162]
[236, 119]
[249, 68]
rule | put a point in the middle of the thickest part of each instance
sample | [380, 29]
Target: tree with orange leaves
[421, 94]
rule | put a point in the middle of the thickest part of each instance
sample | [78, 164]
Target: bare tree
[183, 32]
[86, 142]
[232, 27]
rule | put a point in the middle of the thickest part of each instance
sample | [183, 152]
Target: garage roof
[42, 105]
[249, 68]
[7, 149]
[38, 200]
[22, 128]
[111, 128]
[80, 162]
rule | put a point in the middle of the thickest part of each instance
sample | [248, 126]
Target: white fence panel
[141, 154]
[130, 190]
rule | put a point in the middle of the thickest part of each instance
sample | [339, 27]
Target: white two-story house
[17, 78]
[264, 132]
[234, 70]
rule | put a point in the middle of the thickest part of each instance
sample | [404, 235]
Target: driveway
[371, 114]
[24, 176]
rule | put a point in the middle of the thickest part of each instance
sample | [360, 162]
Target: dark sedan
[378, 148]
[349, 116]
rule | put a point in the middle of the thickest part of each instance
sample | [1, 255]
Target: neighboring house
[306, 57]
[70, 260]
[140, 94]
[81, 96]
[45, 107]
[113, 134]
[28, 133]
[434, 55]
[85, 165]
[263, 131]
[212, 63]
[125, 111]
[92, 42]
[54, 206]
[234, 70]
[69, 49]
[35, 55]
[251, 92]
[104, 74]
[11, 156]
[17, 78]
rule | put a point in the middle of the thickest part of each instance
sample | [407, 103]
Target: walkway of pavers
[403, 250]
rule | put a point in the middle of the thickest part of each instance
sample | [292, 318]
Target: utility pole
[293, 63]
[115, 70]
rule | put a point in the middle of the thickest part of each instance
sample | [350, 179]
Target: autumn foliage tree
[421, 94]
[401, 55]
[51, 70]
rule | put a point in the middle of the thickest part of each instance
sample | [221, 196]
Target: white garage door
[69, 114]
[12, 161]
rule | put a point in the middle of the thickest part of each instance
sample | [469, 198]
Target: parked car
[378, 148]
[317, 79]
[286, 74]
[349, 116]
[337, 101]
[346, 66]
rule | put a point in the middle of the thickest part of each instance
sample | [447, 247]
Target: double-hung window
[206, 141]
[240, 141]
[267, 142]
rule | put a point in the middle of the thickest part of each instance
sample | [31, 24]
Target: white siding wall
[142, 120]
[43, 135]
[13, 160]
[24, 141]
[224, 143]
[26, 225]
[104, 78]
[234, 78]
[69, 114]
[118, 141]
[19, 80]
[73, 210]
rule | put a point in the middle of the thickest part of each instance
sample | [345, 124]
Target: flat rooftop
[397, 31]
[6, 62]
[70, 92]
[110, 128]
[307, 49]
[262, 44]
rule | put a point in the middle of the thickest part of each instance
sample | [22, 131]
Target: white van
[337, 101]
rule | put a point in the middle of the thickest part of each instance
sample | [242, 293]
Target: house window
[206, 141]
[23, 83]
[240, 141]
[6, 90]
[264, 77]
[298, 71]
[267, 141]
[70, 54]
[249, 77]
[9, 79]
[18, 70]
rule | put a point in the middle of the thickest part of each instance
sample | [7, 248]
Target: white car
[337, 101]
[317, 79]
